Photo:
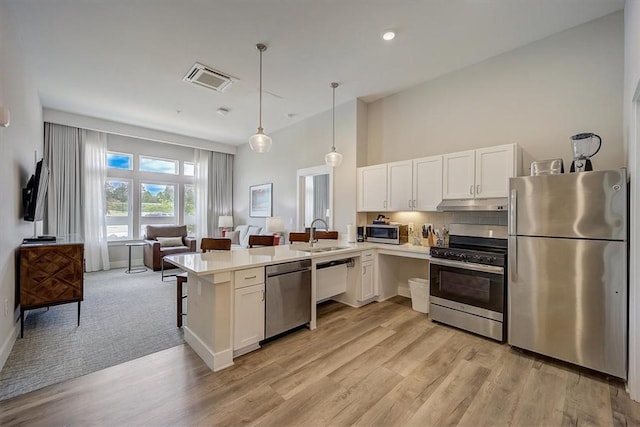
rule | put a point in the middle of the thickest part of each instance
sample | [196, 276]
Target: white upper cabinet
[400, 186]
[427, 183]
[458, 175]
[372, 188]
[483, 173]
[494, 167]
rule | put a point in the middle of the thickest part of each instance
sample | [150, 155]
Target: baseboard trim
[8, 343]
[215, 361]
[404, 292]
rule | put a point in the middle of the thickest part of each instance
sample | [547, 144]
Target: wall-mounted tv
[33, 195]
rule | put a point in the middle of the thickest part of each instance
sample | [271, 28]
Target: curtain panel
[63, 154]
[214, 190]
[76, 200]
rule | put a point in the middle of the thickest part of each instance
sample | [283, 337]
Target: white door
[248, 316]
[494, 167]
[427, 183]
[372, 188]
[399, 186]
[368, 290]
[458, 175]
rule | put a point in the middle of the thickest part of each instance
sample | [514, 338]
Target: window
[151, 164]
[118, 209]
[142, 189]
[157, 200]
[119, 161]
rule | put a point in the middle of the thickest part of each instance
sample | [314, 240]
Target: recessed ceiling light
[389, 35]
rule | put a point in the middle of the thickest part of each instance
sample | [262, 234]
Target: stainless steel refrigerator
[567, 269]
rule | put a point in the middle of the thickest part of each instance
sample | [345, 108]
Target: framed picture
[260, 199]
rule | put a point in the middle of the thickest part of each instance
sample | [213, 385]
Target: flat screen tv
[33, 195]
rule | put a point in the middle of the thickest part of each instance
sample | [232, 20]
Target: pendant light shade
[333, 158]
[260, 143]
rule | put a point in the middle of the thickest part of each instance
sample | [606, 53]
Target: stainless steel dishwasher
[287, 297]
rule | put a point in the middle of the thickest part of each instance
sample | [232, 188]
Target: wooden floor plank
[379, 365]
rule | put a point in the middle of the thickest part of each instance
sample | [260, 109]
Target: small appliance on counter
[360, 236]
[395, 234]
[584, 147]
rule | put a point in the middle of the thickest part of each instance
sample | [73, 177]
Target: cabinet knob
[478, 189]
[410, 206]
[471, 190]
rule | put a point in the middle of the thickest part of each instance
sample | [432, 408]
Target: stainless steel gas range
[468, 280]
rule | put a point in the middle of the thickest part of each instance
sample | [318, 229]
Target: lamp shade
[275, 224]
[225, 221]
[333, 158]
[260, 143]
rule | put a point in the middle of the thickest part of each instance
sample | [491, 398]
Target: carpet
[123, 317]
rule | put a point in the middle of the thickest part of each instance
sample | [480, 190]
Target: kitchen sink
[323, 249]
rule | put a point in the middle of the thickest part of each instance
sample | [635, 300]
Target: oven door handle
[468, 266]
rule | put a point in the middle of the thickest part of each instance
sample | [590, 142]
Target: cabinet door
[494, 167]
[400, 186]
[427, 183]
[248, 316]
[458, 175]
[372, 188]
[367, 290]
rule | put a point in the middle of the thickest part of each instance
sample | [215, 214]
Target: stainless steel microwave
[381, 233]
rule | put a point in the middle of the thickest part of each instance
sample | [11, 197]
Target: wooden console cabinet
[50, 274]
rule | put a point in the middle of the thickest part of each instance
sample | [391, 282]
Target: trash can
[419, 294]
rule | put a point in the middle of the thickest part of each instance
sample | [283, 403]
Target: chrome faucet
[312, 230]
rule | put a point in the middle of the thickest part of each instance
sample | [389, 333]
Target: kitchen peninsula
[225, 303]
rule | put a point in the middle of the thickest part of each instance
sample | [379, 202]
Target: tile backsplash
[439, 219]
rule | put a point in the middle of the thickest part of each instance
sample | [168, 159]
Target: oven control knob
[492, 259]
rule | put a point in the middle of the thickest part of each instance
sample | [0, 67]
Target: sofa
[161, 240]
[240, 236]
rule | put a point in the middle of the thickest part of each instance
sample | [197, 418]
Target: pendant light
[333, 158]
[260, 143]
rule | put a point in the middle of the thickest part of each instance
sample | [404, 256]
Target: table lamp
[225, 222]
[275, 225]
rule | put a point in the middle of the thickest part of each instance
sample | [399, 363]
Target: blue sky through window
[119, 161]
[148, 164]
[153, 188]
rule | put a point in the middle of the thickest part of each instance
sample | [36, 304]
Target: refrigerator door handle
[513, 259]
[513, 208]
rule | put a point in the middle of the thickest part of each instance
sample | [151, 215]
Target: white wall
[632, 136]
[537, 96]
[301, 145]
[17, 145]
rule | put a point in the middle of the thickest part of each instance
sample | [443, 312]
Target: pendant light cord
[334, 85]
[260, 113]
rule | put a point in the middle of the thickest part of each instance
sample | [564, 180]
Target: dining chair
[261, 240]
[215, 244]
[298, 237]
[320, 234]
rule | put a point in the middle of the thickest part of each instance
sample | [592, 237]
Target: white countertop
[223, 261]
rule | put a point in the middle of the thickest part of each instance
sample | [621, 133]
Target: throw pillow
[169, 241]
[234, 236]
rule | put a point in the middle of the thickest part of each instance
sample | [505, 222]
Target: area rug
[123, 317]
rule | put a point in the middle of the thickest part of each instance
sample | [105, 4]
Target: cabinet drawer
[367, 256]
[248, 277]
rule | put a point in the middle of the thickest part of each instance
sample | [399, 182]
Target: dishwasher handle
[333, 263]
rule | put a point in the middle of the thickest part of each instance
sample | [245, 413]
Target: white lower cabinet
[248, 317]
[368, 288]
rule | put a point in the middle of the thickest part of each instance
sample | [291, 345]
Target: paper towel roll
[351, 233]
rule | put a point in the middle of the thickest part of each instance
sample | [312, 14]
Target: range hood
[501, 204]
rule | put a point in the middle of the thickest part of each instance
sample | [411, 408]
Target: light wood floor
[383, 364]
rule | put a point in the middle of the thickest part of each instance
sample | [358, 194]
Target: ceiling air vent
[208, 77]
